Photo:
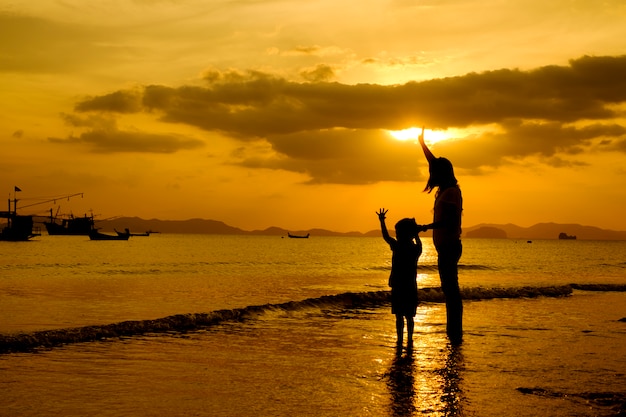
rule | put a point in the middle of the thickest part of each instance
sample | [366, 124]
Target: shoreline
[522, 356]
[25, 342]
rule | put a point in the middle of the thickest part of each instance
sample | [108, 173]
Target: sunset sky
[264, 113]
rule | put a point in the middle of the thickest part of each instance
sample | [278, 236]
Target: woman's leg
[448, 272]
[400, 328]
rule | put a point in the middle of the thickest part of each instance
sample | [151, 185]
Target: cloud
[237, 102]
[545, 111]
[315, 50]
[128, 101]
[519, 139]
[103, 136]
[320, 73]
[384, 60]
[340, 156]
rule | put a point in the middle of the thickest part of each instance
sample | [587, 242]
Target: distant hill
[139, 225]
[203, 226]
[510, 231]
[487, 232]
[543, 231]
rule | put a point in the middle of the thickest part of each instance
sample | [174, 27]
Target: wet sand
[524, 357]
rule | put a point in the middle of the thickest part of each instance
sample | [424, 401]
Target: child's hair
[406, 228]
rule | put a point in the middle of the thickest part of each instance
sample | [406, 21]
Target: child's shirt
[404, 264]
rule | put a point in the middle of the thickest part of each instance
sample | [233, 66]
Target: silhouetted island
[213, 227]
[487, 232]
[510, 231]
[565, 236]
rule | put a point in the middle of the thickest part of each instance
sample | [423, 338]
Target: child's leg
[399, 327]
[410, 325]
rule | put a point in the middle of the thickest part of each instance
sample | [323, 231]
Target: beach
[342, 361]
[183, 326]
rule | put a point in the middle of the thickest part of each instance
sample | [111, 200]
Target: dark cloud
[260, 104]
[117, 102]
[342, 156]
[618, 145]
[320, 73]
[518, 139]
[103, 135]
[535, 110]
[113, 140]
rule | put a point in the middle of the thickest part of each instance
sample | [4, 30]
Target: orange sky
[277, 113]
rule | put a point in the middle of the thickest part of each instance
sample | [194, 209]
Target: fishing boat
[21, 227]
[127, 232]
[96, 235]
[18, 228]
[69, 225]
[298, 236]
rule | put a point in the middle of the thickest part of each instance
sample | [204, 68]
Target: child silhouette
[406, 249]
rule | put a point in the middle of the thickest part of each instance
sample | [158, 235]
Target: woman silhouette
[447, 236]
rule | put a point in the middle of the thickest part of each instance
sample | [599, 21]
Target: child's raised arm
[383, 227]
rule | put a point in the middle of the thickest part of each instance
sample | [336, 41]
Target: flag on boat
[17, 188]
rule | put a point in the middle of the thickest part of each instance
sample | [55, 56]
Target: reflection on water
[426, 378]
[402, 384]
[451, 375]
[328, 362]
[435, 391]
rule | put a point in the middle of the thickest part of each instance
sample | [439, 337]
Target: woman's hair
[441, 175]
[406, 227]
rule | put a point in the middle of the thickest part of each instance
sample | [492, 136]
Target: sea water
[302, 327]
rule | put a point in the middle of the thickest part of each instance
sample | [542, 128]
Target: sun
[413, 133]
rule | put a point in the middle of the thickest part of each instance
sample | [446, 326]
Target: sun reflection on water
[423, 379]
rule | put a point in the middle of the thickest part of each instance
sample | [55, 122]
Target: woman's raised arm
[427, 153]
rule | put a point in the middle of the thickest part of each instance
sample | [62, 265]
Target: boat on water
[96, 235]
[127, 232]
[565, 236]
[298, 236]
[18, 228]
[69, 225]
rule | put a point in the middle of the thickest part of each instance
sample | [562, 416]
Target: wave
[434, 268]
[195, 321]
[599, 287]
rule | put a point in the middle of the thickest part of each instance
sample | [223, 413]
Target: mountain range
[504, 231]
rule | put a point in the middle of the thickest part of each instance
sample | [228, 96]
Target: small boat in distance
[565, 236]
[96, 235]
[127, 232]
[298, 236]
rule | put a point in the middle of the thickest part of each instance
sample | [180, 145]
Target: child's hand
[422, 228]
[381, 214]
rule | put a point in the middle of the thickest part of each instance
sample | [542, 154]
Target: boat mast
[14, 212]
